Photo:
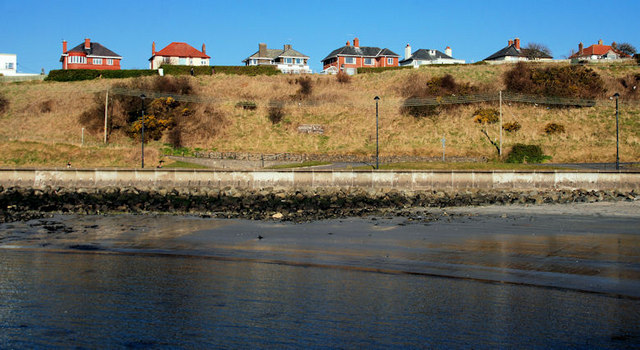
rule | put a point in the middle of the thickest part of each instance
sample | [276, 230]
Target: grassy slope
[346, 111]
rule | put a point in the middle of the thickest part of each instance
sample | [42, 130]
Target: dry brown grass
[347, 112]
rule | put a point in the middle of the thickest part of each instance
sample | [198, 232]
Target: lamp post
[142, 97]
[617, 96]
[377, 149]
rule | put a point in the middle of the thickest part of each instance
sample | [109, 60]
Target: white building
[425, 57]
[286, 60]
[8, 64]
[178, 53]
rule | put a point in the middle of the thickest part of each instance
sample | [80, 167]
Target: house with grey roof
[513, 53]
[89, 55]
[349, 58]
[287, 60]
[426, 57]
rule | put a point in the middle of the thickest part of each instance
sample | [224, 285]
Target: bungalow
[423, 57]
[513, 53]
[181, 54]
[349, 58]
[287, 60]
[89, 55]
[598, 52]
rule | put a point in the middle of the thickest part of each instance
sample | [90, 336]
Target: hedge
[529, 153]
[208, 70]
[365, 70]
[88, 74]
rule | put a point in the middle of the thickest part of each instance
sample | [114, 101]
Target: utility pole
[500, 150]
[377, 149]
[106, 115]
[617, 96]
[142, 97]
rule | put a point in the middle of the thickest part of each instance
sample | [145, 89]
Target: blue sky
[232, 30]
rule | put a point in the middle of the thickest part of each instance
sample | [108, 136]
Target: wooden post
[106, 115]
[500, 149]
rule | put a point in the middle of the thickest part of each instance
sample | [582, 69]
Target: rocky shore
[20, 204]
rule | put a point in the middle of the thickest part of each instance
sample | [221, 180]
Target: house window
[298, 61]
[288, 60]
[203, 62]
[97, 61]
[368, 61]
[8, 65]
[254, 62]
[110, 61]
[350, 60]
[389, 60]
[77, 59]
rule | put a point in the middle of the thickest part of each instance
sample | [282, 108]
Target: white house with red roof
[176, 53]
[598, 52]
[89, 55]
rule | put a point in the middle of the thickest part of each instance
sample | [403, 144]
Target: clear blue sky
[232, 30]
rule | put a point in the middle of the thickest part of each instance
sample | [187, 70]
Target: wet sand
[588, 247]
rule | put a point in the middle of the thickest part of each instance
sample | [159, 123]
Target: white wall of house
[8, 64]
[178, 61]
[418, 63]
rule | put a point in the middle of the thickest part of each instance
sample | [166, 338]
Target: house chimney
[356, 42]
[517, 42]
[510, 42]
[614, 45]
[287, 47]
[348, 43]
[580, 48]
[407, 52]
[87, 44]
[262, 50]
[204, 49]
[64, 46]
[448, 51]
[153, 48]
[600, 42]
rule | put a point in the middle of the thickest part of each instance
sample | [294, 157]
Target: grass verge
[460, 166]
[298, 165]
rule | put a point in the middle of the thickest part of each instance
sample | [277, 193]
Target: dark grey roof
[95, 50]
[512, 51]
[366, 51]
[275, 53]
[425, 55]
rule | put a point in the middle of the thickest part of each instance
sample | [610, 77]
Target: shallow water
[177, 281]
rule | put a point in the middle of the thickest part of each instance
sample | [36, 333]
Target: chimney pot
[600, 42]
[510, 42]
[87, 44]
[348, 43]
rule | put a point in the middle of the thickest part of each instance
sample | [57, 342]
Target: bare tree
[536, 50]
[626, 48]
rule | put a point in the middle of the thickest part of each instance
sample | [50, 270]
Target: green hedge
[365, 70]
[207, 70]
[529, 153]
[88, 74]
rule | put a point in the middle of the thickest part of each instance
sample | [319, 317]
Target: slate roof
[95, 50]
[176, 49]
[512, 51]
[425, 55]
[275, 53]
[361, 51]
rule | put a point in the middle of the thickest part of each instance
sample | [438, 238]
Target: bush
[575, 81]
[276, 112]
[553, 128]
[46, 106]
[418, 87]
[88, 74]
[247, 105]
[306, 87]
[367, 70]
[4, 104]
[343, 77]
[511, 126]
[486, 116]
[521, 153]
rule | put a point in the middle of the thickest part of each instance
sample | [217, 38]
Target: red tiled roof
[181, 50]
[598, 50]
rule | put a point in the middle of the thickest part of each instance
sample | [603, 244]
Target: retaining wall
[292, 179]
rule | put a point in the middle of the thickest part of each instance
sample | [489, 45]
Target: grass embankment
[41, 125]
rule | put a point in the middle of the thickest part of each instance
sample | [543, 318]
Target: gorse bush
[4, 104]
[306, 87]
[554, 128]
[417, 86]
[521, 153]
[511, 126]
[486, 116]
[275, 112]
[575, 81]
[343, 77]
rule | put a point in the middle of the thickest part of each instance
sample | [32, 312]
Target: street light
[377, 149]
[142, 97]
[617, 96]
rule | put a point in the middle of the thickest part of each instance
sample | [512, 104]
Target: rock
[277, 216]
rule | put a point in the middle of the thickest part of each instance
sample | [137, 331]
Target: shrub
[553, 128]
[366, 70]
[88, 74]
[4, 104]
[306, 87]
[247, 105]
[46, 106]
[276, 112]
[343, 77]
[521, 153]
[486, 116]
[418, 87]
[511, 126]
[575, 81]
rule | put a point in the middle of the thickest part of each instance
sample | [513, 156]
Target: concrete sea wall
[297, 179]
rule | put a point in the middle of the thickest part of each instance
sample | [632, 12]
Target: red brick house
[348, 58]
[89, 55]
[178, 53]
